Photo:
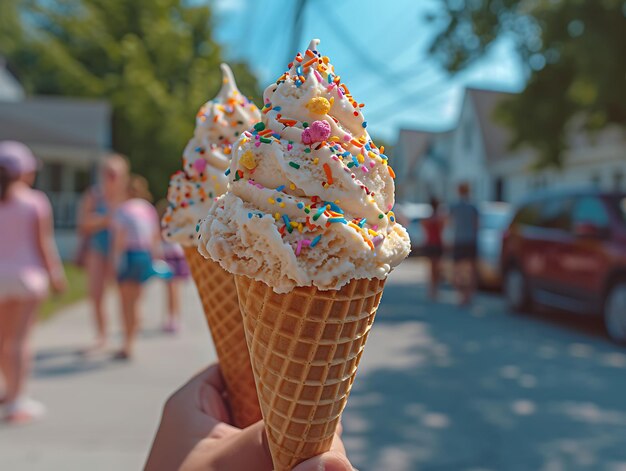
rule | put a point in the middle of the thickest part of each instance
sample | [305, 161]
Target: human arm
[89, 221]
[47, 246]
[194, 434]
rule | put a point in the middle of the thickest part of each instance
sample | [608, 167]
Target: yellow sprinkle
[300, 227]
[372, 233]
[337, 202]
[271, 200]
[292, 186]
[332, 100]
[334, 139]
[318, 105]
[294, 223]
[282, 205]
[372, 155]
[316, 160]
[360, 158]
[277, 216]
[247, 160]
[213, 177]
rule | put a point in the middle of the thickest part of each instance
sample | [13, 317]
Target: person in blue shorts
[136, 242]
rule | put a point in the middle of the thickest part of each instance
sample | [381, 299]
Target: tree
[154, 60]
[574, 52]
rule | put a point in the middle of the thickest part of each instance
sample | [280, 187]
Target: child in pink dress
[29, 262]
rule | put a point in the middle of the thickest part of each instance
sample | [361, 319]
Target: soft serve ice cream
[192, 190]
[311, 196]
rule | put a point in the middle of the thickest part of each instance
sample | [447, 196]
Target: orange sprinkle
[265, 132]
[215, 118]
[356, 143]
[287, 122]
[309, 53]
[369, 242]
[309, 62]
[329, 175]
[391, 172]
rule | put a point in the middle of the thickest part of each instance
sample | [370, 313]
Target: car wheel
[615, 313]
[516, 290]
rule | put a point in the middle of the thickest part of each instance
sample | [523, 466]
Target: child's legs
[173, 299]
[130, 294]
[98, 271]
[16, 321]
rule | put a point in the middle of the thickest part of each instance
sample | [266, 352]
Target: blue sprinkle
[364, 124]
[286, 219]
[280, 188]
[298, 83]
[330, 78]
[299, 70]
[355, 161]
[367, 146]
[279, 200]
[227, 172]
[315, 241]
[333, 206]
[277, 108]
[362, 223]
[346, 154]
[341, 220]
[383, 156]
[249, 215]
[300, 205]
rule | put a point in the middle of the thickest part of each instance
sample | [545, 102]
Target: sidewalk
[102, 415]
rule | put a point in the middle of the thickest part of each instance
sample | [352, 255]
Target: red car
[568, 250]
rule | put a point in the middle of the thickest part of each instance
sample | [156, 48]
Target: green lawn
[76, 290]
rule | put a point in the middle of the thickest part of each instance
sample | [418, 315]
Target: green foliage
[574, 53]
[76, 290]
[154, 60]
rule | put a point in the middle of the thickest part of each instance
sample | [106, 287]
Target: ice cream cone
[305, 347]
[218, 294]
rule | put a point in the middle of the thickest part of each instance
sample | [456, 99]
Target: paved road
[440, 388]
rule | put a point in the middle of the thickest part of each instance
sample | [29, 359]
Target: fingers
[240, 452]
[330, 461]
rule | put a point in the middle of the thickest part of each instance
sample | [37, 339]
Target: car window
[590, 210]
[528, 215]
[555, 214]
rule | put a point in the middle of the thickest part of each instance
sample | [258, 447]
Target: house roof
[414, 144]
[496, 136]
[10, 87]
[57, 121]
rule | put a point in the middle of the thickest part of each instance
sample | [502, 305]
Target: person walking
[29, 263]
[433, 246]
[136, 242]
[175, 258]
[464, 219]
[94, 221]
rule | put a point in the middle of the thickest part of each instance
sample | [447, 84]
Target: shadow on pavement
[445, 388]
[52, 362]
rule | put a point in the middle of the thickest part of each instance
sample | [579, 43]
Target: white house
[477, 151]
[68, 135]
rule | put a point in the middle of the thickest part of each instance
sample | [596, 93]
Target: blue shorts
[136, 265]
[101, 242]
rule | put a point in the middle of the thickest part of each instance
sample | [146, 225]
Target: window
[55, 177]
[528, 215]
[555, 214]
[590, 210]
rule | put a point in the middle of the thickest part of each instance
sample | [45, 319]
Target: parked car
[494, 220]
[410, 215]
[568, 250]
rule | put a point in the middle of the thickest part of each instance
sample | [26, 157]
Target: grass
[76, 290]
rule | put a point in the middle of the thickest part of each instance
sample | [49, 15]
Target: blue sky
[379, 48]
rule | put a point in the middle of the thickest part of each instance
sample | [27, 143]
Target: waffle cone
[305, 347]
[218, 294]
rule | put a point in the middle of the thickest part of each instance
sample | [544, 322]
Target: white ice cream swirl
[219, 124]
[310, 194]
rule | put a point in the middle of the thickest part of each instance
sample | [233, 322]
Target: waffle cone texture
[305, 347]
[218, 295]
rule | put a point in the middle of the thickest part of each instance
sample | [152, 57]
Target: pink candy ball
[318, 131]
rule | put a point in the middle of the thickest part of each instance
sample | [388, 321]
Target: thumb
[330, 461]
